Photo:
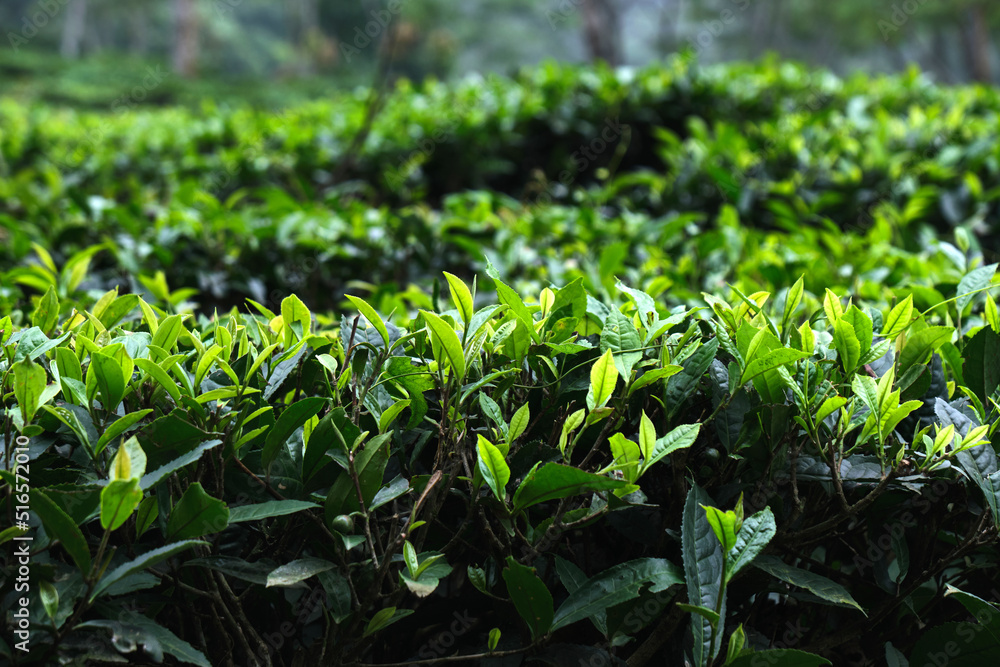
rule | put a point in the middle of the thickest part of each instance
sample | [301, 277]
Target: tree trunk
[73, 29]
[668, 27]
[977, 44]
[186, 37]
[602, 31]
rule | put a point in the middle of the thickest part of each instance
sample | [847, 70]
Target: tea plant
[558, 478]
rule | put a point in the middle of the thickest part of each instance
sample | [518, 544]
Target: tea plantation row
[592, 173]
[269, 489]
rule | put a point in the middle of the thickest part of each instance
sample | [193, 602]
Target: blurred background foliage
[81, 52]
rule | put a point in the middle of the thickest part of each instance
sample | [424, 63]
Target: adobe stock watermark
[866, 216]
[381, 18]
[252, 149]
[896, 530]
[740, 177]
[967, 631]
[641, 616]
[426, 146]
[712, 29]
[562, 12]
[45, 11]
[439, 645]
[898, 17]
[303, 609]
[126, 101]
[22, 551]
[583, 157]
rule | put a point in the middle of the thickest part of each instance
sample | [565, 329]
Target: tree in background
[185, 56]
[602, 29]
[952, 40]
[978, 46]
[73, 27]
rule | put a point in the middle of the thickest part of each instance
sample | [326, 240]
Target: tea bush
[762, 171]
[804, 479]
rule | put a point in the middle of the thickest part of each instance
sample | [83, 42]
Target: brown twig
[821, 529]
[451, 658]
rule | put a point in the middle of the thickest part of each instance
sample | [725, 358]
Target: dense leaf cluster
[266, 488]
[733, 401]
[746, 174]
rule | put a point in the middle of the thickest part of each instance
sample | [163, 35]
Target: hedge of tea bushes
[218, 257]
[541, 477]
[500, 134]
[854, 177]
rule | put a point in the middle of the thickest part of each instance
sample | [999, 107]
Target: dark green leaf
[148, 510]
[754, 535]
[369, 464]
[235, 567]
[982, 363]
[325, 436]
[267, 509]
[554, 481]
[196, 514]
[971, 646]
[703, 572]
[170, 643]
[815, 583]
[291, 418]
[681, 386]
[146, 560]
[62, 527]
[530, 597]
[972, 282]
[615, 585]
[985, 612]
[893, 657]
[389, 492]
[151, 479]
[106, 377]
[919, 346]
[120, 426]
[573, 578]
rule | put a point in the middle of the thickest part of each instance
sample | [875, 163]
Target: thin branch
[450, 658]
